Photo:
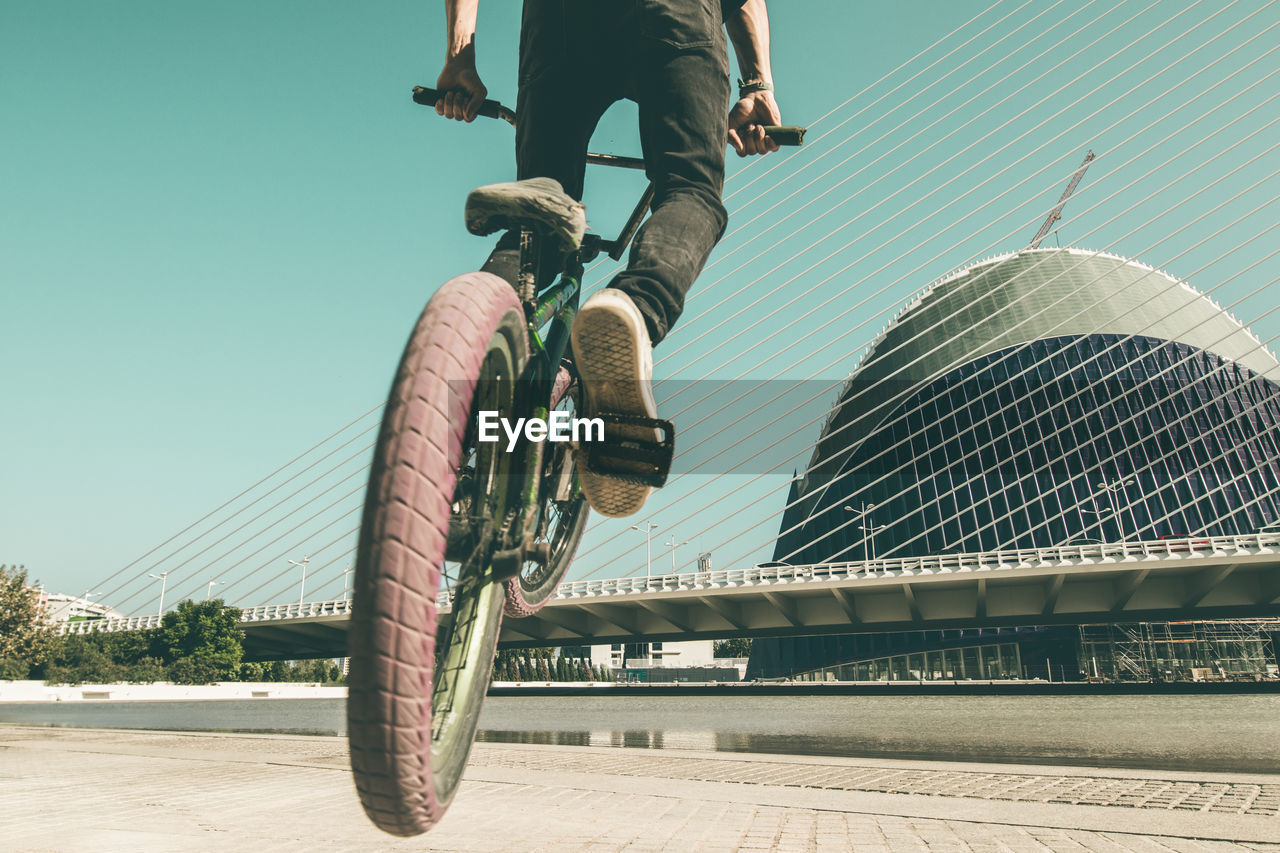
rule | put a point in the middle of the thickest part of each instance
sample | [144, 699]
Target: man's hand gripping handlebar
[781, 134]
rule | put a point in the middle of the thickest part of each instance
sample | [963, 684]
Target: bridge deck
[1194, 578]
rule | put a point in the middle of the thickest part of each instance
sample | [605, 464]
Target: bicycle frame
[553, 311]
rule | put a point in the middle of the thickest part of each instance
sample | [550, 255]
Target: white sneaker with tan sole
[615, 361]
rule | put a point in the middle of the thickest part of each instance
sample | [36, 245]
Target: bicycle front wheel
[425, 615]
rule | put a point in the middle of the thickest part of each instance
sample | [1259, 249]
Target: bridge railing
[262, 613]
[783, 573]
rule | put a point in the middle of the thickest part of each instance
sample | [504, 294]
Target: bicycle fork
[556, 308]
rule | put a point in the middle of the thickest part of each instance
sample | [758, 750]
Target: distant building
[70, 608]
[661, 662]
[1040, 398]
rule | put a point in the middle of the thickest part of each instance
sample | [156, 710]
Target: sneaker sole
[606, 349]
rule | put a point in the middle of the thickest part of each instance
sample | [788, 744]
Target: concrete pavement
[106, 790]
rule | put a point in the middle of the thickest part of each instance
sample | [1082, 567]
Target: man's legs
[683, 94]
[563, 93]
[677, 71]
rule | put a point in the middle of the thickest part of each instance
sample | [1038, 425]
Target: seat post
[528, 281]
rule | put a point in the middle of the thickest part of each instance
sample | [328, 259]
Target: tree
[251, 672]
[25, 633]
[146, 670]
[208, 634]
[81, 659]
[194, 670]
[738, 647]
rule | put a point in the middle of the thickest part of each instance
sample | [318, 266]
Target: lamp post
[1102, 534]
[346, 583]
[648, 550]
[302, 589]
[163, 577]
[869, 531]
[1112, 488]
[673, 544]
[860, 515]
[208, 590]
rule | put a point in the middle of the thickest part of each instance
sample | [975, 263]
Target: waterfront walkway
[107, 790]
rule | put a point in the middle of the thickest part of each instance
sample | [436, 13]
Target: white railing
[781, 573]
[262, 613]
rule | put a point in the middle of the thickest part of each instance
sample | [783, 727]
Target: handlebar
[781, 134]
[488, 109]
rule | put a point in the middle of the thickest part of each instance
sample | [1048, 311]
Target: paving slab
[108, 790]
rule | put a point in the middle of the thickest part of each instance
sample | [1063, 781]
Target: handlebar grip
[785, 134]
[428, 97]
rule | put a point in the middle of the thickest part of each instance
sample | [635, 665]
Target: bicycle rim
[465, 645]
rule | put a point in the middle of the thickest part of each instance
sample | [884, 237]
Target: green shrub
[13, 670]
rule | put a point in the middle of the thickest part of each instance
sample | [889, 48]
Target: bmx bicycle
[457, 531]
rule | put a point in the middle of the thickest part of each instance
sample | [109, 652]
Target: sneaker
[615, 360]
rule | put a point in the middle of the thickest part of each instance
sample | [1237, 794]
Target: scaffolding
[1234, 650]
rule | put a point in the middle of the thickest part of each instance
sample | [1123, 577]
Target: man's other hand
[747, 120]
[461, 91]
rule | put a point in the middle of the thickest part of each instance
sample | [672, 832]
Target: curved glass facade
[1038, 398]
[1100, 437]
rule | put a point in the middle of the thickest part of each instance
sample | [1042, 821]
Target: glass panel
[916, 667]
[898, 669]
[953, 664]
[972, 664]
[991, 662]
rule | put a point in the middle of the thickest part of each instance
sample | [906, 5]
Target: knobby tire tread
[402, 547]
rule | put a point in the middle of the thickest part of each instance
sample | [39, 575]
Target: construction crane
[1062, 202]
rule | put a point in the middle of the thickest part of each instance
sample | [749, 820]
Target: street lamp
[1112, 488]
[869, 531]
[346, 584]
[861, 515]
[163, 577]
[648, 550]
[208, 590]
[303, 565]
[673, 544]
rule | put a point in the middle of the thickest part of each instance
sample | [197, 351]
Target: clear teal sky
[219, 220]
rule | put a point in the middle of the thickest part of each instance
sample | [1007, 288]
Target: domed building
[1039, 398]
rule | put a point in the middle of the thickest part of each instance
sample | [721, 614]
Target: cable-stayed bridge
[955, 156]
[1172, 579]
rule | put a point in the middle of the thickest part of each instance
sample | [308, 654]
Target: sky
[219, 222]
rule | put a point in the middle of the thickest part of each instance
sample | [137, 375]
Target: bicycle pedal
[506, 564]
[460, 542]
[624, 457]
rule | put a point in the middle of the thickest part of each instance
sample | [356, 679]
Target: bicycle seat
[537, 203]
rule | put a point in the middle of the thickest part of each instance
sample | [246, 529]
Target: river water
[1213, 733]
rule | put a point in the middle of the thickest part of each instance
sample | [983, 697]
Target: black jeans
[577, 57]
